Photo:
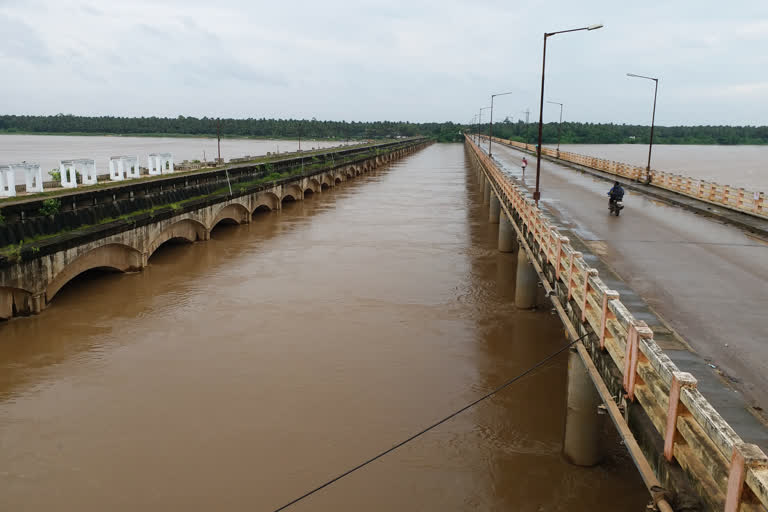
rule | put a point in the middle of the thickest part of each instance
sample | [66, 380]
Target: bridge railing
[731, 474]
[747, 201]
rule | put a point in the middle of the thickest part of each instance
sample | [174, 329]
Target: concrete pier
[494, 210]
[486, 191]
[507, 236]
[526, 287]
[583, 425]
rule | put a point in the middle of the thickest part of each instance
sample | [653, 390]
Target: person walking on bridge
[524, 165]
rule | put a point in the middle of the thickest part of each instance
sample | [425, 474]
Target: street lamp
[653, 120]
[537, 192]
[480, 122]
[490, 124]
[559, 125]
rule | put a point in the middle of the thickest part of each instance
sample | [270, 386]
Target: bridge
[119, 227]
[639, 289]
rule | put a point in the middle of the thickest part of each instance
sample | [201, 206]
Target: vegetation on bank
[594, 133]
[572, 132]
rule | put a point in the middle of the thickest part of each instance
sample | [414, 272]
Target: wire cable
[432, 426]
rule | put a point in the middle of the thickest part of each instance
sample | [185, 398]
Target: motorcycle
[615, 207]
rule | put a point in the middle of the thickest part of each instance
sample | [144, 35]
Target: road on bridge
[708, 280]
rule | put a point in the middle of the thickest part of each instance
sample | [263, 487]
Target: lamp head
[595, 27]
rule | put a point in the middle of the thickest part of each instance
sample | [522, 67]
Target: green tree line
[570, 132]
[609, 133]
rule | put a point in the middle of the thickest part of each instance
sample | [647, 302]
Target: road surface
[708, 280]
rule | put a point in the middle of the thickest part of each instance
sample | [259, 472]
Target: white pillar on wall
[87, 170]
[33, 176]
[167, 163]
[7, 182]
[116, 171]
[153, 164]
[132, 170]
[124, 168]
[68, 174]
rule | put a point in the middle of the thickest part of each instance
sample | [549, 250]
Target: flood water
[49, 150]
[738, 166]
[239, 373]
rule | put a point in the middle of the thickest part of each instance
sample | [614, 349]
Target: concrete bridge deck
[707, 279]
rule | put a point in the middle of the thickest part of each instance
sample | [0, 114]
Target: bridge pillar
[37, 303]
[486, 191]
[526, 284]
[507, 236]
[494, 210]
[583, 425]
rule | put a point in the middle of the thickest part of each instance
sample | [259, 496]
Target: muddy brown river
[239, 373]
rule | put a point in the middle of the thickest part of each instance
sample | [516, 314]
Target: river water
[49, 150]
[738, 166]
[239, 373]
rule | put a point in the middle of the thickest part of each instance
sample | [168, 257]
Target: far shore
[169, 135]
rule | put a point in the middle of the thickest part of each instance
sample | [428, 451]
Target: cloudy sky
[370, 60]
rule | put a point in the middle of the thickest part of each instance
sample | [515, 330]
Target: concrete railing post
[507, 236]
[526, 283]
[583, 424]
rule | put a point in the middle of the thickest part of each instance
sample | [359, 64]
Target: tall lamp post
[560, 124]
[490, 124]
[537, 192]
[653, 121]
[480, 122]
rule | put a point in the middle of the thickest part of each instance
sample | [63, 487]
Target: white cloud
[376, 59]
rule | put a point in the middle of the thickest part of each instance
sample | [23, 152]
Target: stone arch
[15, 301]
[186, 229]
[313, 186]
[337, 179]
[326, 180]
[233, 211]
[293, 191]
[267, 199]
[117, 256]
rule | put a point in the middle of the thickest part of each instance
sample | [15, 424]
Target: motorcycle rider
[616, 194]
